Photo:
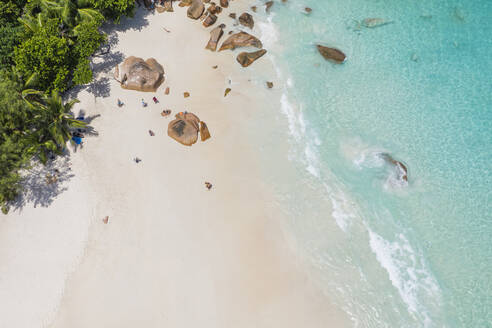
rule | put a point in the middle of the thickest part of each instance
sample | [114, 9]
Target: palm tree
[71, 13]
[54, 125]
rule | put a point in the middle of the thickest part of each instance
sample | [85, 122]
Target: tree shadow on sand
[88, 131]
[43, 183]
[106, 58]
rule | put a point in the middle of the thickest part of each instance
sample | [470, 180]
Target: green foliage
[15, 119]
[10, 10]
[89, 39]
[9, 39]
[46, 55]
[83, 72]
[114, 9]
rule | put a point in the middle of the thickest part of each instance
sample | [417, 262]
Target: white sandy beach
[173, 254]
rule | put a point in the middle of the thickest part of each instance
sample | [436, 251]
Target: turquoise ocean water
[390, 253]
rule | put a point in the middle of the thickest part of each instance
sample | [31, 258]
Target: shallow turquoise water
[392, 254]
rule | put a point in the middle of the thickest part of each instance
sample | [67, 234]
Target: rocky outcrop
[168, 6]
[241, 39]
[247, 58]
[204, 133]
[215, 36]
[268, 5]
[224, 3]
[246, 20]
[210, 20]
[196, 9]
[332, 54]
[214, 9]
[185, 3]
[136, 74]
[184, 129]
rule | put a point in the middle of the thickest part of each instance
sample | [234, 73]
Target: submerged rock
[241, 39]
[332, 54]
[224, 3]
[246, 20]
[215, 36]
[402, 169]
[136, 74]
[375, 22]
[196, 9]
[268, 5]
[247, 58]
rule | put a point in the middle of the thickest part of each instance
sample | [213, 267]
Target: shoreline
[172, 251]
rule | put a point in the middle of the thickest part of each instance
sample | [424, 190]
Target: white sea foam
[340, 211]
[268, 32]
[408, 274]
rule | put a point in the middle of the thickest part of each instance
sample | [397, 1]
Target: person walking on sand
[144, 104]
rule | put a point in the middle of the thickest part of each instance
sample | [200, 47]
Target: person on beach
[137, 160]
[151, 133]
[166, 112]
[144, 104]
[208, 185]
[155, 100]
[120, 103]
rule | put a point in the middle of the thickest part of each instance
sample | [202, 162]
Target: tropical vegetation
[45, 48]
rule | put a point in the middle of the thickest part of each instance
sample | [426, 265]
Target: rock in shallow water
[332, 54]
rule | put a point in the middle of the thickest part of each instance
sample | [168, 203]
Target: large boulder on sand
[331, 54]
[241, 39]
[215, 36]
[247, 58]
[184, 129]
[196, 9]
[136, 74]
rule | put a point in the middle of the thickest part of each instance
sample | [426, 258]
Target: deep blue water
[391, 253]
